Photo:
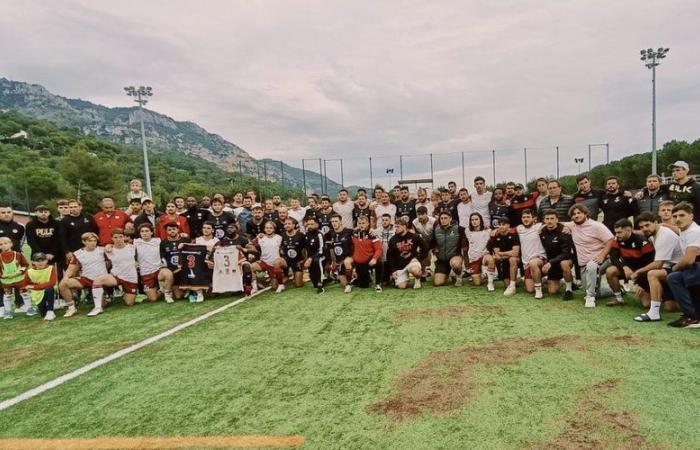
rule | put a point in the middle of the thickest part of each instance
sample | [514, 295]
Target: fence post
[525, 153]
[320, 171]
[303, 175]
[557, 162]
[371, 180]
[400, 166]
[493, 164]
[432, 176]
[282, 172]
[464, 180]
[342, 174]
[325, 178]
[589, 159]
[607, 153]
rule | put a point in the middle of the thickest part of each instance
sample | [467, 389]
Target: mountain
[163, 133]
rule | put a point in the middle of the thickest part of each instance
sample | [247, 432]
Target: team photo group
[632, 243]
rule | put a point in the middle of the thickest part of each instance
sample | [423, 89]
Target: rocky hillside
[163, 133]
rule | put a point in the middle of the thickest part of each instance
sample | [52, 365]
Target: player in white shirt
[667, 253]
[464, 208]
[123, 272]
[481, 199]
[533, 255]
[424, 225]
[423, 200]
[151, 270]
[297, 212]
[478, 235]
[207, 238]
[385, 207]
[86, 266]
[344, 207]
[270, 260]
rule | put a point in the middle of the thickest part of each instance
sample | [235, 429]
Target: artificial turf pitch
[434, 368]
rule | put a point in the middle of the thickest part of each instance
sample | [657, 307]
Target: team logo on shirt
[292, 253]
[219, 233]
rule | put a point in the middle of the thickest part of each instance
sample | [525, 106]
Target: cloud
[308, 79]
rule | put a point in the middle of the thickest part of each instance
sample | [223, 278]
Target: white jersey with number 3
[227, 274]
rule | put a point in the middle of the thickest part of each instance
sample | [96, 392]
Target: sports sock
[655, 309]
[618, 296]
[8, 302]
[512, 283]
[26, 300]
[490, 276]
[569, 286]
[97, 293]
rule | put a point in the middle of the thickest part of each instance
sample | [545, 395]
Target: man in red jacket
[367, 254]
[171, 216]
[109, 219]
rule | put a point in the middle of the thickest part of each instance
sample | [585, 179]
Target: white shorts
[402, 275]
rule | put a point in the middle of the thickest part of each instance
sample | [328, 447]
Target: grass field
[436, 368]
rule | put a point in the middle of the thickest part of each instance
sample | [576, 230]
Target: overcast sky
[291, 80]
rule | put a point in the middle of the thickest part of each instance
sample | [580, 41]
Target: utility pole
[142, 94]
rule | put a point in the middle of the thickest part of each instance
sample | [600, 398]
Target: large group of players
[646, 242]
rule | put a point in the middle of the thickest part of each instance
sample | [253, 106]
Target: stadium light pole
[141, 97]
[578, 161]
[651, 59]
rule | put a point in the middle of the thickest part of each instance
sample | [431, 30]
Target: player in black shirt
[405, 207]
[292, 250]
[339, 242]
[403, 255]
[629, 252]
[615, 204]
[256, 225]
[447, 204]
[557, 245]
[170, 254]
[505, 246]
[195, 216]
[362, 209]
[324, 214]
[315, 256]
[220, 218]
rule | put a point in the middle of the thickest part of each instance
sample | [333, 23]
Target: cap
[256, 206]
[146, 199]
[503, 219]
[39, 257]
[682, 164]
[519, 186]
[41, 208]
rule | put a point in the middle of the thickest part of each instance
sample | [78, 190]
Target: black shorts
[297, 265]
[555, 273]
[442, 267]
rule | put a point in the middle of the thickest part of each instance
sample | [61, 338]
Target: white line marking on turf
[125, 351]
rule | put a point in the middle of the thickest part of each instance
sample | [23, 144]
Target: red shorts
[149, 281]
[85, 282]
[475, 266]
[128, 287]
[528, 274]
[267, 268]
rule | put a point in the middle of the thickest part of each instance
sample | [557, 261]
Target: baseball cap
[146, 199]
[41, 208]
[682, 164]
[39, 257]
[519, 186]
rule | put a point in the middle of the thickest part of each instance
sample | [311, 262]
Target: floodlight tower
[142, 93]
[651, 59]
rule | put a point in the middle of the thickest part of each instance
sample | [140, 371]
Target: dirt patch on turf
[147, 443]
[9, 359]
[593, 426]
[444, 381]
[449, 312]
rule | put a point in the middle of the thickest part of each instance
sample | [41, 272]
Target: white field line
[125, 351]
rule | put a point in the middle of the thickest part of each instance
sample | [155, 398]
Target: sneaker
[568, 295]
[168, 297]
[280, 288]
[458, 281]
[416, 284]
[378, 288]
[95, 312]
[31, 311]
[590, 302]
[50, 315]
[22, 309]
[200, 297]
[685, 322]
[614, 302]
[510, 290]
[320, 290]
[490, 287]
[70, 311]
[348, 289]
[538, 293]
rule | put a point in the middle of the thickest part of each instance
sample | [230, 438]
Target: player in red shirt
[171, 216]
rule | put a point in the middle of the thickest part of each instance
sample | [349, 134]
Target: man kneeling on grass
[505, 246]
[684, 281]
[629, 253]
[667, 254]
[557, 246]
[403, 255]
